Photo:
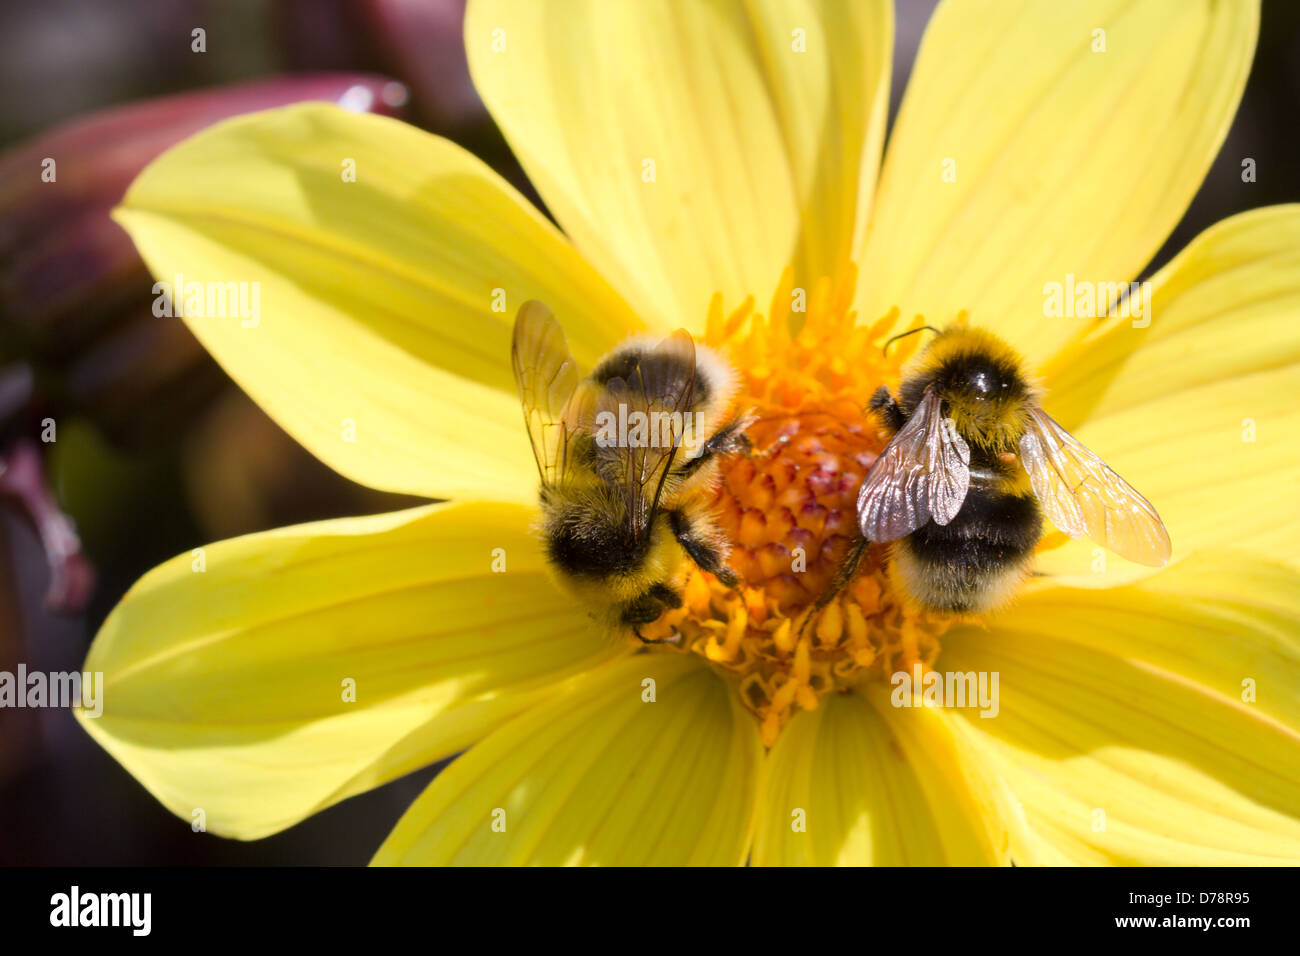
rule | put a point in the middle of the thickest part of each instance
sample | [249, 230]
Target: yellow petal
[851, 783]
[1219, 462]
[1224, 308]
[1156, 723]
[980, 821]
[263, 678]
[1023, 153]
[684, 146]
[599, 776]
[388, 266]
[1197, 409]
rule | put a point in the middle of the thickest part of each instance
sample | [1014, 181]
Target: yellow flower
[688, 150]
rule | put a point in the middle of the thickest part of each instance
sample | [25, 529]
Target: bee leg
[665, 596]
[643, 610]
[728, 577]
[848, 568]
[676, 636]
[704, 553]
[647, 608]
[728, 440]
[888, 408]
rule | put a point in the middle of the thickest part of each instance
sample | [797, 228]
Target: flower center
[789, 510]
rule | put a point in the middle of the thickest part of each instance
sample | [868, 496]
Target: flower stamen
[789, 509]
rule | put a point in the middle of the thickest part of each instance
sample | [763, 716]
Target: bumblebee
[628, 460]
[973, 467]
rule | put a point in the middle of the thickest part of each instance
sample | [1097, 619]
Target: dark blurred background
[156, 451]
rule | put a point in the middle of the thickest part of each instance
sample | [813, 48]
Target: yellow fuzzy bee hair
[952, 358]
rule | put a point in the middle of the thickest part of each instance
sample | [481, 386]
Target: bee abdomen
[972, 563]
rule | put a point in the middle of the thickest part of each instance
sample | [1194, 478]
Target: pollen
[807, 373]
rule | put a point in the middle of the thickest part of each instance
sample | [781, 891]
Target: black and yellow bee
[628, 459]
[973, 466]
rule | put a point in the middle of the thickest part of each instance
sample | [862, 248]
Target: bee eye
[980, 383]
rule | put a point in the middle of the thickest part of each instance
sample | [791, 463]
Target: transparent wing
[1083, 496]
[922, 475]
[652, 405]
[547, 377]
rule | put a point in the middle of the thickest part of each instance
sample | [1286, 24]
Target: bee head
[980, 381]
[979, 378]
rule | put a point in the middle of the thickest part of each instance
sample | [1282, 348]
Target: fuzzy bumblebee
[973, 466]
[622, 511]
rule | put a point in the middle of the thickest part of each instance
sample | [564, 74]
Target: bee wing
[923, 474]
[660, 390]
[1082, 496]
[547, 377]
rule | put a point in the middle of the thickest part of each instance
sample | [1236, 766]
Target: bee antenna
[903, 335]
